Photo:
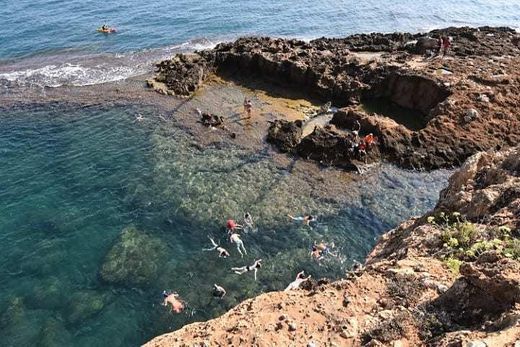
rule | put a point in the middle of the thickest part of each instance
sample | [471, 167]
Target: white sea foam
[77, 70]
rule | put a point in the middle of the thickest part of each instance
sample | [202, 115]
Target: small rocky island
[448, 278]
[453, 106]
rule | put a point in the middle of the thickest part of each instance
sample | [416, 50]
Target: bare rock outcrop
[465, 103]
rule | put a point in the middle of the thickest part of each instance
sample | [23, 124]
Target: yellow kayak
[106, 31]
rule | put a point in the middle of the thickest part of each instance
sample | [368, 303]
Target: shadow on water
[412, 119]
[73, 178]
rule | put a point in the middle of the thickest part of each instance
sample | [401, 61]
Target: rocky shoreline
[466, 102]
[449, 278]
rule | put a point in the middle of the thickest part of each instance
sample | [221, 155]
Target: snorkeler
[243, 269]
[319, 250]
[231, 225]
[248, 222]
[235, 238]
[218, 291]
[222, 252]
[297, 282]
[173, 299]
[306, 220]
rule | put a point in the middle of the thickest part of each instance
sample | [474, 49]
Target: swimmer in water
[173, 299]
[231, 226]
[243, 269]
[235, 238]
[306, 220]
[319, 250]
[222, 252]
[248, 222]
[300, 278]
[218, 291]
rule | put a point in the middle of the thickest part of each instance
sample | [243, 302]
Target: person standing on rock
[243, 269]
[173, 299]
[300, 278]
[248, 107]
[446, 44]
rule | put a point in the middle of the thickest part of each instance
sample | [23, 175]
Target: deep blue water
[60, 45]
[29, 26]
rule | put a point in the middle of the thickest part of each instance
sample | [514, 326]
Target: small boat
[106, 31]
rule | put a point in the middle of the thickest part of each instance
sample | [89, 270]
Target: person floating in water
[306, 220]
[222, 252]
[248, 222]
[300, 278]
[235, 238]
[243, 269]
[231, 226]
[173, 299]
[218, 291]
[319, 250]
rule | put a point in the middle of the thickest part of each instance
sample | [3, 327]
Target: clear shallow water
[60, 46]
[74, 177]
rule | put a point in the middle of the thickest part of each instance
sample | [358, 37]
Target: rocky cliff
[449, 278]
[458, 105]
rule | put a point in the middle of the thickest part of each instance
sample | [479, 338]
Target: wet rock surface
[408, 292]
[479, 74]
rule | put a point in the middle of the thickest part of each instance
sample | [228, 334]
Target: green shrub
[512, 249]
[453, 264]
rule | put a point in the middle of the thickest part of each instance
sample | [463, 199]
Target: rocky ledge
[454, 106]
[449, 278]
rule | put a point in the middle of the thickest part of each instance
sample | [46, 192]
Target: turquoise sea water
[73, 177]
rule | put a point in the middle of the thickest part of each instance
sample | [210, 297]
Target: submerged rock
[54, 333]
[134, 259]
[85, 304]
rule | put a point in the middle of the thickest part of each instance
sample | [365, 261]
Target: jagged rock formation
[466, 102]
[439, 280]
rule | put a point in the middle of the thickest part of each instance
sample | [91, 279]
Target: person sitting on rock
[362, 149]
[235, 238]
[173, 299]
[218, 291]
[300, 278]
[222, 253]
[243, 269]
[356, 128]
[306, 220]
[369, 140]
